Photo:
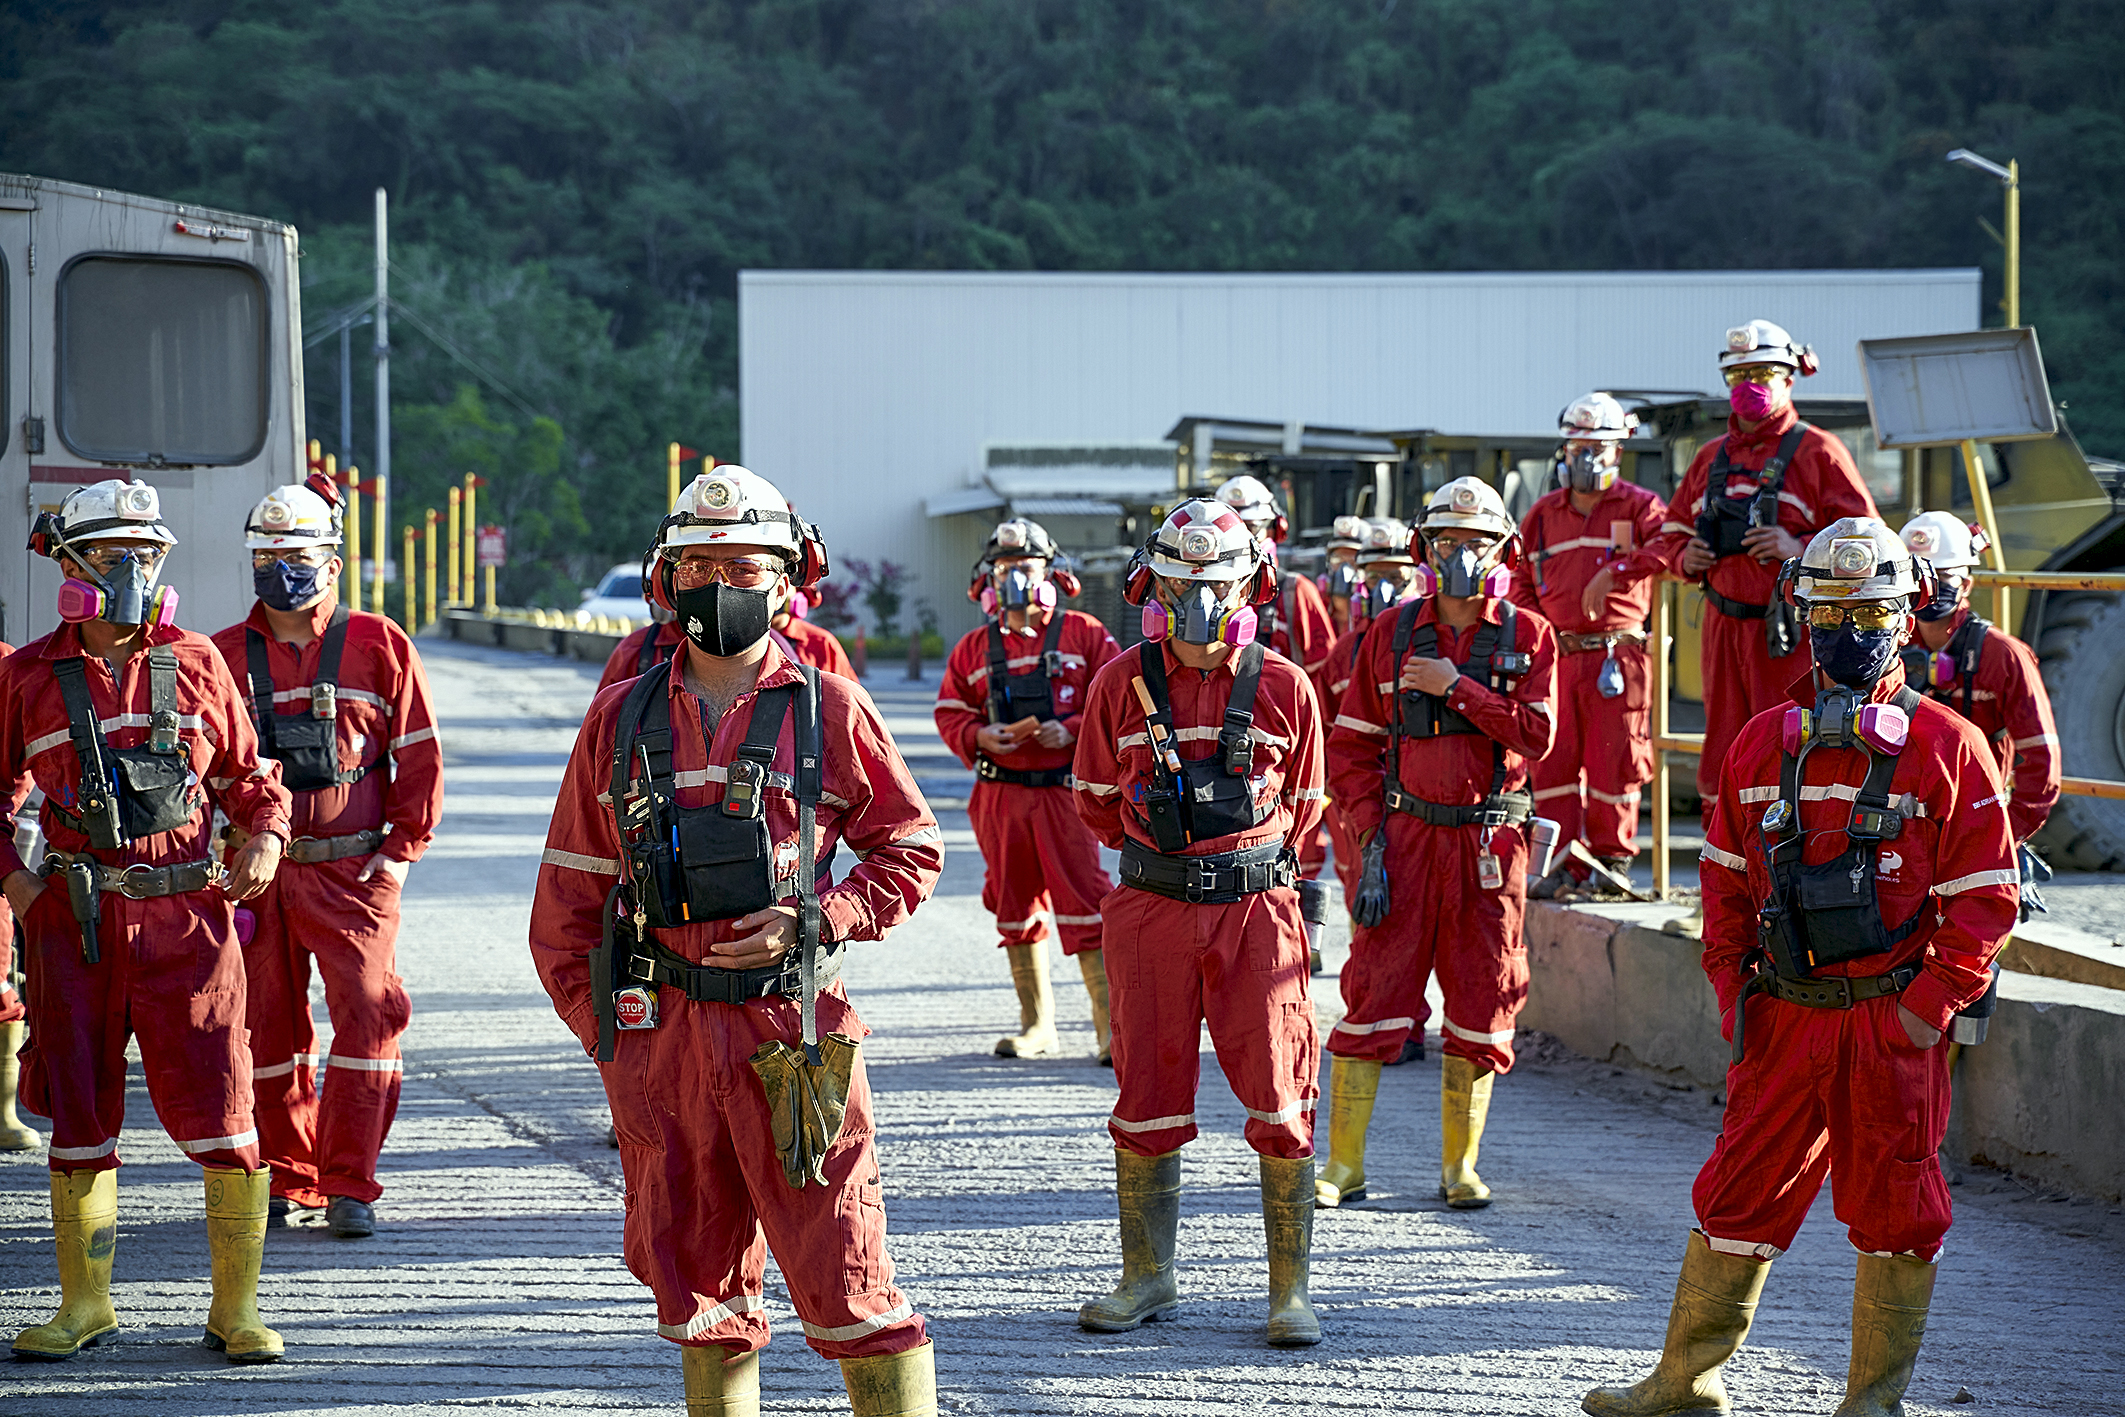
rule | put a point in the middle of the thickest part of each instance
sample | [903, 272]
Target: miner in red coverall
[1989, 677]
[1386, 568]
[1452, 698]
[692, 1011]
[1295, 623]
[1032, 663]
[1199, 759]
[340, 699]
[14, 1135]
[1839, 1001]
[136, 733]
[1729, 529]
[1340, 582]
[1590, 572]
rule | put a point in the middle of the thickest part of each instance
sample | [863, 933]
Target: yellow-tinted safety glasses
[1868, 615]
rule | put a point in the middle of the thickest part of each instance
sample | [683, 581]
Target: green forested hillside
[574, 185]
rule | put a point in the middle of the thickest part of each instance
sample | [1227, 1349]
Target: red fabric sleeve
[1649, 524]
[962, 706]
[413, 801]
[2032, 749]
[1523, 719]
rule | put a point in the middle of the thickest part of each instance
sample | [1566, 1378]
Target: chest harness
[307, 745]
[1831, 912]
[126, 794]
[684, 866]
[1420, 715]
[1200, 799]
[1726, 520]
[1964, 650]
[1015, 697]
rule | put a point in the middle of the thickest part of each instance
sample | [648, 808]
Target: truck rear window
[162, 359]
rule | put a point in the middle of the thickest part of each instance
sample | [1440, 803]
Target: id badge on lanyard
[1489, 874]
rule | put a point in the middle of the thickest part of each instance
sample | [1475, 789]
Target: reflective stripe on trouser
[1041, 861]
[1171, 967]
[1830, 1091]
[1741, 680]
[326, 1146]
[1608, 742]
[171, 975]
[1440, 920]
[706, 1198]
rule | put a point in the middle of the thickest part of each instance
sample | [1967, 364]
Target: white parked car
[619, 594]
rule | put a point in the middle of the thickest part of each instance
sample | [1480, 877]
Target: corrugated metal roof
[866, 392]
[1064, 507]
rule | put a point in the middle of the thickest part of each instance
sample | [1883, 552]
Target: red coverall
[1040, 861]
[1305, 633]
[2010, 707]
[1331, 684]
[1589, 782]
[1740, 677]
[811, 645]
[1440, 917]
[816, 647]
[172, 973]
[321, 910]
[11, 1006]
[1843, 1091]
[706, 1198]
[1172, 965]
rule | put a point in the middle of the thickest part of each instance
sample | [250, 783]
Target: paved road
[495, 1284]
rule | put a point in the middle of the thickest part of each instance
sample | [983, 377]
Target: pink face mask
[1754, 402]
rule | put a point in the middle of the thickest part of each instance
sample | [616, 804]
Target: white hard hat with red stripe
[1203, 540]
[1948, 543]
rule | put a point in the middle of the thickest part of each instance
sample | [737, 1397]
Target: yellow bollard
[405, 575]
[457, 586]
[472, 526]
[382, 499]
[491, 608]
[352, 531]
[430, 567]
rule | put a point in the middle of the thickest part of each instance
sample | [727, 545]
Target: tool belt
[1500, 809]
[137, 882]
[1832, 993]
[1601, 643]
[311, 850]
[1221, 879]
[988, 770]
[706, 984]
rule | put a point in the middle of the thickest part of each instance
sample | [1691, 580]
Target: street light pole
[2009, 177]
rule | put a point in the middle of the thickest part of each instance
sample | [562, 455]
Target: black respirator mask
[285, 586]
[1853, 657]
[1947, 595]
[1014, 590]
[1585, 469]
[1344, 580]
[723, 620]
[1380, 597]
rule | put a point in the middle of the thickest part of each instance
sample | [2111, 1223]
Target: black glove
[1370, 908]
[2035, 870]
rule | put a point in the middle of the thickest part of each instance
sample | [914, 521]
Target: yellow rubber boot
[85, 1229]
[1094, 965]
[1148, 1192]
[893, 1384]
[1464, 1104]
[1036, 1004]
[1353, 1084]
[1890, 1301]
[720, 1383]
[14, 1136]
[1287, 1221]
[236, 1244]
[1715, 1302]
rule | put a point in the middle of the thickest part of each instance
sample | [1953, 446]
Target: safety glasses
[1446, 543]
[1756, 374]
[1871, 615]
[308, 556]
[740, 573]
[106, 559]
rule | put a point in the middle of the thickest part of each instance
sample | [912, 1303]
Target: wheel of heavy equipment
[2084, 672]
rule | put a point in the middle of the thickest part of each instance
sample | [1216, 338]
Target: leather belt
[706, 984]
[311, 850]
[1221, 879]
[140, 882]
[989, 770]
[1505, 809]
[1735, 609]
[1837, 993]
[1589, 644]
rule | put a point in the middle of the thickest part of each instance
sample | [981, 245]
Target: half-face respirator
[1200, 618]
[1016, 589]
[1841, 718]
[127, 595]
[1586, 469]
[1463, 576]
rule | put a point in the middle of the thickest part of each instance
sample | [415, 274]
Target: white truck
[150, 339]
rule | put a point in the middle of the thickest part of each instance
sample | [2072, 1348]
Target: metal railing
[1665, 740]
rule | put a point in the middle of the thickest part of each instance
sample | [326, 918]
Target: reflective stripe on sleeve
[1097, 789]
[1344, 720]
[1613, 799]
[1757, 794]
[2038, 740]
[595, 865]
[1570, 789]
[407, 740]
[1727, 859]
[1976, 880]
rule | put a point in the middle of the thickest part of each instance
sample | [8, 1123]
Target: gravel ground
[494, 1283]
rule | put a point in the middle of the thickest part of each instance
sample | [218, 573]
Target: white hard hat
[1019, 537]
[1761, 342]
[1856, 558]
[1249, 496]
[1203, 539]
[1596, 417]
[1346, 533]
[1386, 539]
[1945, 541]
[1469, 504]
[294, 515]
[734, 504]
[113, 511]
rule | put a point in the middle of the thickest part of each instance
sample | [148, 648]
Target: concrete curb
[2038, 1098]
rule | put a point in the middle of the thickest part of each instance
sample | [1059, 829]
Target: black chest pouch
[1726, 520]
[697, 863]
[1015, 697]
[1201, 799]
[305, 744]
[1427, 715]
[128, 793]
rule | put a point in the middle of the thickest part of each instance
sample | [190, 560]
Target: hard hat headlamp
[719, 495]
[1011, 536]
[1199, 544]
[137, 502]
[1852, 560]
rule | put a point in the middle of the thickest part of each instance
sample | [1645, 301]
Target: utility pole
[382, 508]
[346, 395]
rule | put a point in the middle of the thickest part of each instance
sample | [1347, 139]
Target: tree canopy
[574, 186]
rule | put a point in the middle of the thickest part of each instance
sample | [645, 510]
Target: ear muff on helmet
[44, 536]
[810, 564]
[1065, 581]
[1137, 580]
[1280, 529]
[1262, 586]
[656, 583]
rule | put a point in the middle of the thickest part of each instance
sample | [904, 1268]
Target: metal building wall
[864, 392]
